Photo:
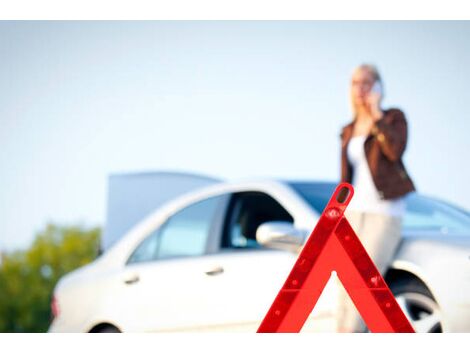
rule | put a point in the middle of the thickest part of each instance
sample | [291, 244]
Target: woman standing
[371, 159]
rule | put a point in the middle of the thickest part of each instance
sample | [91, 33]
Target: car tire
[418, 304]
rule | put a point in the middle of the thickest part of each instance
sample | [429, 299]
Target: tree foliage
[27, 278]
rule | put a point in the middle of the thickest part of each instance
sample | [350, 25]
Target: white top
[366, 197]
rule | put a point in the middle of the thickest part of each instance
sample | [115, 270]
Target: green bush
[27, 278]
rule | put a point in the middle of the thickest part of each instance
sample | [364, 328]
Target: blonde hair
[372, 69]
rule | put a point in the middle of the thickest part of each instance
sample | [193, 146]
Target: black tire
[108, 329]
[418, 304]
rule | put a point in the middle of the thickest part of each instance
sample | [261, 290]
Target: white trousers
[380, 235]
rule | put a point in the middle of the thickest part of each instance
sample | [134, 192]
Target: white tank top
[366, 197]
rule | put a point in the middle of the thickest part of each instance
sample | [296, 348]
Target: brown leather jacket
[384, 148]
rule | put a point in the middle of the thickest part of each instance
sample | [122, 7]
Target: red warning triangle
[334, 246]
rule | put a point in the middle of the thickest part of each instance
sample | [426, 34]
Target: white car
[215, 258]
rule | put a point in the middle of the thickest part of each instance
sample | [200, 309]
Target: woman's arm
[391, 134]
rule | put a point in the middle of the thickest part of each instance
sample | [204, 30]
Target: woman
[371, 159]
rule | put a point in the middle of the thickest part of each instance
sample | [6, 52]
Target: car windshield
[423, 214]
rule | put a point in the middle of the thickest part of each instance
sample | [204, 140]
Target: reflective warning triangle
[334, 246]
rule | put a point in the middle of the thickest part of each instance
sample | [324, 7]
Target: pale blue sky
[81, 100]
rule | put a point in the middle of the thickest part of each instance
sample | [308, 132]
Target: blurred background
[232, 99]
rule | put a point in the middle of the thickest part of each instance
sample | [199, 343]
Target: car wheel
[418, 305]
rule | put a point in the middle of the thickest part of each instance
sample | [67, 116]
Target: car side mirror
[280, 235]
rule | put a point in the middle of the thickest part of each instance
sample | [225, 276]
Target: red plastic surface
[334, 246]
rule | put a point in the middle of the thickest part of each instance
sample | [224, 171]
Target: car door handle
[132, 279]
[215, 271]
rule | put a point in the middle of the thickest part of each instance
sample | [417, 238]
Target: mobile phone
[377, 88]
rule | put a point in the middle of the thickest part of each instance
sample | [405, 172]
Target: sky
[231, 99]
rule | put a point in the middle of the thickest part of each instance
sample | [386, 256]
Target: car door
[252, 275]
[166, 278]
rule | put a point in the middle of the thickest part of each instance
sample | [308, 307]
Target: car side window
[247, 211]
[147, 250]
[185, 233]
